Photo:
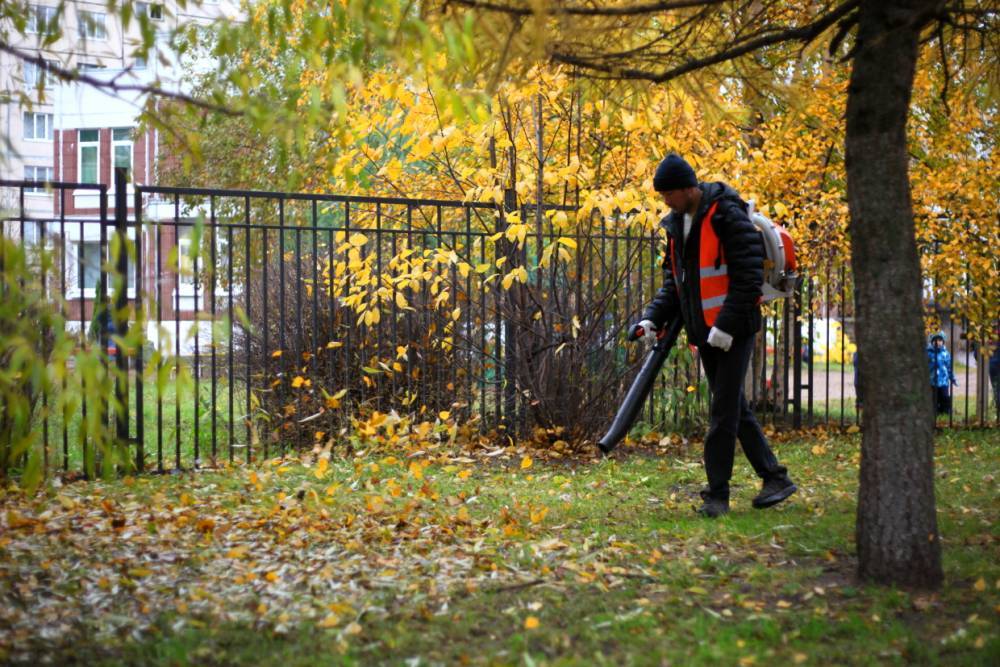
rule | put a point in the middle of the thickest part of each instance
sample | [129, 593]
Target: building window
[88, 255]
[32, 73]
[92, 25]
[35, 76]
[89, 67]
[185, 263]
[187, 280]
[37, 126]
[89, 156]
[121, 149]
[139, 63]
[153, 10]
[41, 19]
[32, 173]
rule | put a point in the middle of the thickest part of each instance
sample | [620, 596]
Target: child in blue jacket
[942, 375]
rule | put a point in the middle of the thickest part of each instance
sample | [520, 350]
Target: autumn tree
[321, 61]
[897, 533]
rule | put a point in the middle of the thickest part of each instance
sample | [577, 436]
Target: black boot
[713, 507]
[774, 491]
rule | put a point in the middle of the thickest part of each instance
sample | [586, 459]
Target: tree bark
[897, 534]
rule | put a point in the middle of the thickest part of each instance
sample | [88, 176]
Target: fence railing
[268, 321]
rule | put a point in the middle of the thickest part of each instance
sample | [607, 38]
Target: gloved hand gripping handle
[641, 386]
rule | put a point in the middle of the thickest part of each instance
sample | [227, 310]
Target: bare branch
[842, 30]
[805, 34]
[632, 10]
[686, 27]
[113, 85]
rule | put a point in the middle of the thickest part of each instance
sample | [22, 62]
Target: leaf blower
[641, 386]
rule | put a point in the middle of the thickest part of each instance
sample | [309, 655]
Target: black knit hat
[674, 174]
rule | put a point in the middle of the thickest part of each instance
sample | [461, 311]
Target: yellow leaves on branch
[516, 232]
[520, 274]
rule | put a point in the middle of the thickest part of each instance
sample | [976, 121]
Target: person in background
[942, 374]
[993, 350]
[995, 375]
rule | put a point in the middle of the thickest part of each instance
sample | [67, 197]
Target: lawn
[423, 555]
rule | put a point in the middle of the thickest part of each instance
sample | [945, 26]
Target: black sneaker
[774, 491]
[713, 507]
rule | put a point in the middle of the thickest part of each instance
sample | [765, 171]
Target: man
[712, 279]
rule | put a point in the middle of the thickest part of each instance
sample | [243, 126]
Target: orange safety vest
[713, 274]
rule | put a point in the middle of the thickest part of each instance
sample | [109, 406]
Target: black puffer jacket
[744, 253]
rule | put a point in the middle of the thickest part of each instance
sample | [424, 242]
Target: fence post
[509, 325]
[99, 316]
[120, 312]
[810, 377]
[797, 358]
[140, 318]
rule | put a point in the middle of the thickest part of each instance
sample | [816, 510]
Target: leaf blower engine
[780, 267]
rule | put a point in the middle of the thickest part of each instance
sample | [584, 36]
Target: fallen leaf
[237, 552]
[329, 621]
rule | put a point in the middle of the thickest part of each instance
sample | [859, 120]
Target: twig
[113, 85]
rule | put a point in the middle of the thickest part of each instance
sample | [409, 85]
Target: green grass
[175, 445]
[178, 418]
[642, 580]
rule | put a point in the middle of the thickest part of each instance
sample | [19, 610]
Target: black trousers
[942, 400]
[732, 418]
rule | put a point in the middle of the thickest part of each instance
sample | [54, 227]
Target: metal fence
[271, 321]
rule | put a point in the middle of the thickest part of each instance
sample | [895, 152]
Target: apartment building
[39, 115]
[79, 133]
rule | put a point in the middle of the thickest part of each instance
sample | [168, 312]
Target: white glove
[720, 339]
[644, 331]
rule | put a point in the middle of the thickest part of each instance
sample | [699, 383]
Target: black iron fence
[244, 324]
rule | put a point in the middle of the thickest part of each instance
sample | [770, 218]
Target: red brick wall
[104, 143]
[66, 154]
[139, 159]
[65, 157]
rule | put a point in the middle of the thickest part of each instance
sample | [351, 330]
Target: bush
[37, 356]
[502, 328]
[311, 375]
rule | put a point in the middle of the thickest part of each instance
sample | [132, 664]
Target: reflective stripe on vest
[713, 274]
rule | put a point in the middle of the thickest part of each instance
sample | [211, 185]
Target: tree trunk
[897, 534]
